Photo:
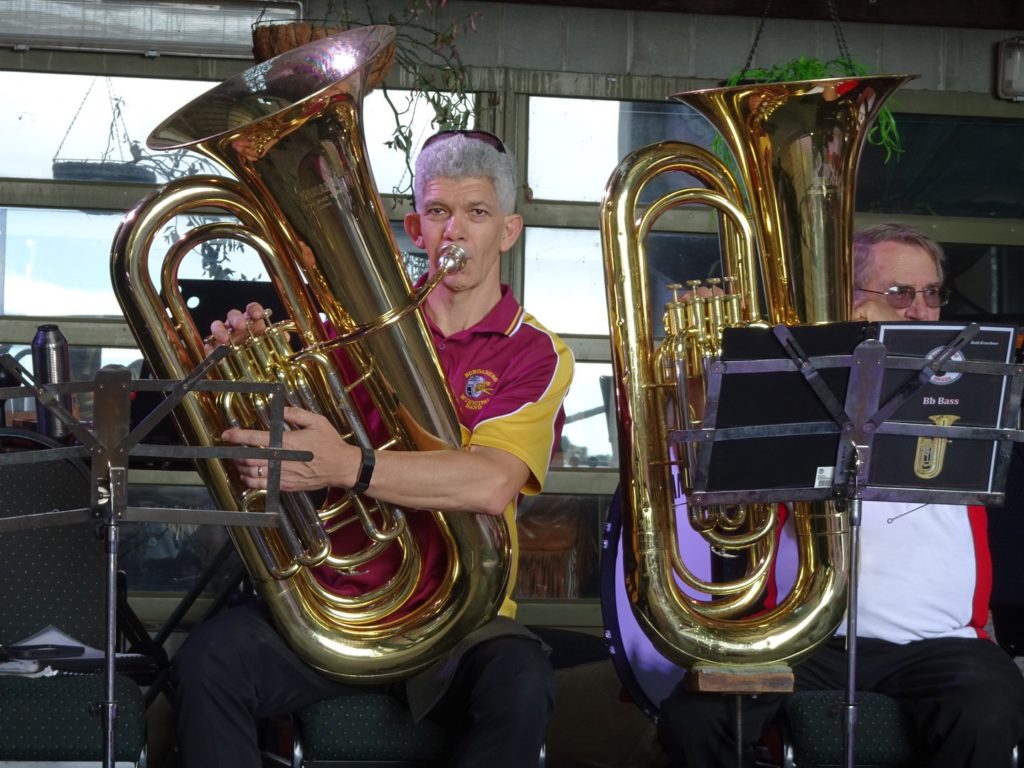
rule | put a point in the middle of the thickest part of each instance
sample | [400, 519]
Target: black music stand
[109, 444]
[852, 419]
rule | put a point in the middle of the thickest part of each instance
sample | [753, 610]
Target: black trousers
[235, 669]
[965, 698]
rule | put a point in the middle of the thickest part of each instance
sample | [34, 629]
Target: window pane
[589, 419]
[57, 261]
[379, 118]
[171, 558]
[986, 282]
[85, 362]
[950, 166]
[564, 280]
[576, 164]
[559, 546]
[91, 128]
[95, 128]
[564, 275]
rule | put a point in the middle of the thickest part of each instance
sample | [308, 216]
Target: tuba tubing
[786, 223]
[290, 132]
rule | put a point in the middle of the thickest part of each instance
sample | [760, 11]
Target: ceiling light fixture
[1010, 69]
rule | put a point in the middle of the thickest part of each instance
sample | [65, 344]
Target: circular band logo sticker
[947, 377]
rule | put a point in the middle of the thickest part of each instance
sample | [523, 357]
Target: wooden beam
[991, 14]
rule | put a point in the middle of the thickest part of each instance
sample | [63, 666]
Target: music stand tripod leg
[112, 408]
[850, 708]
[863, 395]
[739, 730]
[109, 667]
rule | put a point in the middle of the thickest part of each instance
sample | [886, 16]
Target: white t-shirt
[924, 571]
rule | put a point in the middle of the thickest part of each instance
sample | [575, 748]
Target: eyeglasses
[902, 296]
[487, 138]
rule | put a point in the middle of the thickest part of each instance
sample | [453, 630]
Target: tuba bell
[786, 226]
[304, 198]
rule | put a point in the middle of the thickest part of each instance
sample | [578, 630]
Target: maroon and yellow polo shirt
[508, 375]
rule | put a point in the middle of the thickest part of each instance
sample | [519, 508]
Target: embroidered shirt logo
[479, 387]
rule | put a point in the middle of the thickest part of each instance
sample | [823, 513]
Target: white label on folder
[823, 477]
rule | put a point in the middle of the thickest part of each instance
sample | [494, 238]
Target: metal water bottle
[51, 363]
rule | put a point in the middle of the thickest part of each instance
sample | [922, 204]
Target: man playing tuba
[509, 374]
[923, 592]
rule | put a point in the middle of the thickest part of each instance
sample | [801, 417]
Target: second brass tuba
[786, 236]
[290, 130]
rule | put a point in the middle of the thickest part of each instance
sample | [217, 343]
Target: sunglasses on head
[487, 138]
[902, 296]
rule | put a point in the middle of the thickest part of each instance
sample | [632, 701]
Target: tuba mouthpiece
[452, 258]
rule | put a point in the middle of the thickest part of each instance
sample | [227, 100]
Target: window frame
[504, 95]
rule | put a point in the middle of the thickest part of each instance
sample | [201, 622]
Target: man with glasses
[897, 274]
[923, 591]
[509, 375]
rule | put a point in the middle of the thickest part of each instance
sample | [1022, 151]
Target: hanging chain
[116, 125]
[838, 30]
[757, 38]
[73, 119]
[833, 13]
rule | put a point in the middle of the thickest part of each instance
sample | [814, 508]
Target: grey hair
[868, 237]
[460, 157]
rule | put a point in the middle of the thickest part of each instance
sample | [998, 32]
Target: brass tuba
[290, 131]
[786, 235]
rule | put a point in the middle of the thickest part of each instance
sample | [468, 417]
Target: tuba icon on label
[931, 451]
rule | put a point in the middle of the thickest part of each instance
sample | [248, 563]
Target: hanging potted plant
[426, 60]
[883, 133]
